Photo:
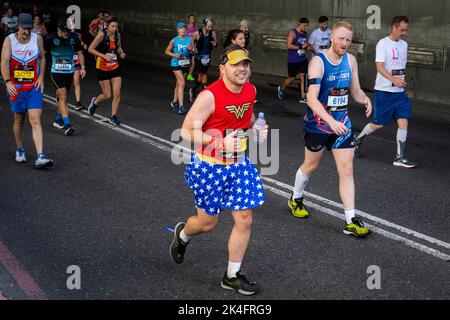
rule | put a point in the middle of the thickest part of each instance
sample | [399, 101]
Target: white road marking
[166, 145]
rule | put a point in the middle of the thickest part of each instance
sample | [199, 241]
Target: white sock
[233, 269]
[301, 181]
[402, 135]
[366, 132]
[349, 215]
[184, 237]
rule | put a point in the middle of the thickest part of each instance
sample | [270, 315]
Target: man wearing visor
[63, 46]
[23, 68]
[220, 174]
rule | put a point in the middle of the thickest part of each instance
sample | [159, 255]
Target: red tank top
[233, 111]
[24, 63]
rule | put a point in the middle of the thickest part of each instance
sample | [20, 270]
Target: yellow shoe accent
[357, 229]
[298, 209]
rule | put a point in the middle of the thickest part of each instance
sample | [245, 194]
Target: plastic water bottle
[259, 125]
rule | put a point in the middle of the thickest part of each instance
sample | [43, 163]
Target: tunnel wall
[148, 26]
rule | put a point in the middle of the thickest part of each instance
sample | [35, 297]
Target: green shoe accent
[298, 209]
[240, 284]
[357, 229]
[190, 78]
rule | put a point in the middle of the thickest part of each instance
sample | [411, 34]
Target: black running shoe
[240, 284]
[182, 110]
[174, 106]
[115, 121]
[58, 124]
[79, 106]
[405, 163]
[69, 130]
[178, 247]
[92, 107]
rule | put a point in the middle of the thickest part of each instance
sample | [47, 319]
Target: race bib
[301, 52]
[24, 74]
[206, 59]
[63, 65]
[338, 99]
[112, 56]
[184, 62]
[399, 74]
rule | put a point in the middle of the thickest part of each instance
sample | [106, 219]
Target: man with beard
[220, 174]
[333, 76]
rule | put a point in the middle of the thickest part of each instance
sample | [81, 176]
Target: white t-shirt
[320, 40]
[394, 55]
[10, 22]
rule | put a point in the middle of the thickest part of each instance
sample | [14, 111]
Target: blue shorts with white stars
[234, 187]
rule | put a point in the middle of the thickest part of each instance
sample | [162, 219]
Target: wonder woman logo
[239, 111]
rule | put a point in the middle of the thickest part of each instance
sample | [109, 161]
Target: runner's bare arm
[120, 48]
[92, 48]
[355, 88]
[169, 50]
[40, 83]
[42, 58]
[291, 38]
[6, 55]
[201, 110]
[396, 81]
[91, 28]
[214, 39]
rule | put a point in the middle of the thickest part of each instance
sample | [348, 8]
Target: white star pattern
[217, 187]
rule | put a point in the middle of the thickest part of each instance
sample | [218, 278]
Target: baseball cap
[235, 56]
[62, 23]
[181, 25]
[25, 21]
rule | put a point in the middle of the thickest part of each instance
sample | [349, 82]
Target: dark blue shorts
[390, 107]
[234, 187]
[27, 100]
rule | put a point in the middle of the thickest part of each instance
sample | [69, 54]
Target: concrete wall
[149, 25]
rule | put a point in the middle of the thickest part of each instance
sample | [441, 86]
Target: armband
[314, 81]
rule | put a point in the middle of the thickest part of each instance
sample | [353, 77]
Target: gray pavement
[105, 205]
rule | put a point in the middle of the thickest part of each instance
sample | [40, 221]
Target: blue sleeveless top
[334, 95]
[181, 47]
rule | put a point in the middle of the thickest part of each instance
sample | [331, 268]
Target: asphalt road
[104, 207]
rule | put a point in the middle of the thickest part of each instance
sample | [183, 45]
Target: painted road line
[383, 232]
[20, 275]
[166, 145]
[383, 222]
